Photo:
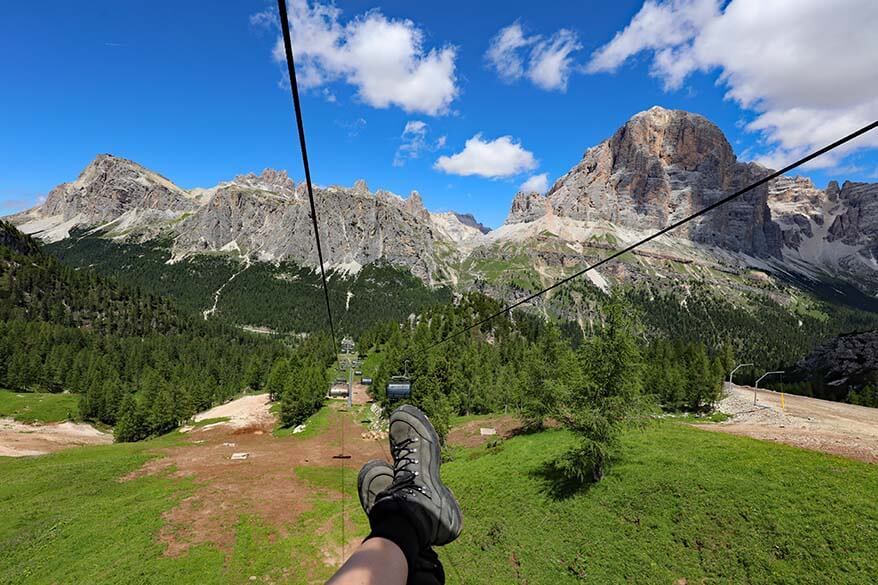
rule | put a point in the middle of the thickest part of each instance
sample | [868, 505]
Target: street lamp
[732, 373]
[756, 386]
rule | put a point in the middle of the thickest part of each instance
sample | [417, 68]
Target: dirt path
[23, 440]
[810, 423]
[264, 484]
[360, 394]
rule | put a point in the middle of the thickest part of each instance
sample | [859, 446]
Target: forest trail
[820, 425]
[19, 439]
[216, 295]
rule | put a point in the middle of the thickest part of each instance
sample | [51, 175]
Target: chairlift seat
[399, 387]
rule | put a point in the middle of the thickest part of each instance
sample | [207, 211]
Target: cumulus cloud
[384, 59]
[805, 67]
[502, 157]
[415, 142]
[535, 184]
[546, 62]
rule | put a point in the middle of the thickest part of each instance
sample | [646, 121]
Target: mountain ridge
[658, 167]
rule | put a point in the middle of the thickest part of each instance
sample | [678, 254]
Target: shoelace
[404, 483]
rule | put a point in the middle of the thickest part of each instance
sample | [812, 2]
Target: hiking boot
[417, 490]
[375, 477]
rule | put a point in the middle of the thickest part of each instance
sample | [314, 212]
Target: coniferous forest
[136, 360]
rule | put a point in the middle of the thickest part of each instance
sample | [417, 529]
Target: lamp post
[732, 373]
[756, 386]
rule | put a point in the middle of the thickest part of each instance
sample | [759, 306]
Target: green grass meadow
[42, 407]
[680, 503]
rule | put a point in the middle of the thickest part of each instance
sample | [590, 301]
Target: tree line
[592, 384]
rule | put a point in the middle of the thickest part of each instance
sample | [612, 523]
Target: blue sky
[199, 98]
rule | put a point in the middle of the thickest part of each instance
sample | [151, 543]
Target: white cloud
[805, 67]
[550, 61]
[658, 27]
[548, 65]
[503, 53]
[414, 142]
[385, 59]
[501, 157]
[535, 184]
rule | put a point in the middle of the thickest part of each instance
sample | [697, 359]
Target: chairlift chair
[400, 387]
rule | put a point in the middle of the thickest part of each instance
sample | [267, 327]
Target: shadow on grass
[557, 484]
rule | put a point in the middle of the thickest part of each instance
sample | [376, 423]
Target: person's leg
[376, 477]
[375, 562]
[417, 511]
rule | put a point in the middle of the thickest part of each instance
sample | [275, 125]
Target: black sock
[389, 521]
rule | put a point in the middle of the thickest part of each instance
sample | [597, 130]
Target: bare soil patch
[820, 425]
[469, 433]
[263, 485]
[360, 394]
[247, 412]
[22, 440]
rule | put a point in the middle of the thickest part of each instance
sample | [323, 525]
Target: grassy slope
[682, 503]
[68, 519]
[38, 407]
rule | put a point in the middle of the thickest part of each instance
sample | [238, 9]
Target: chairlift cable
[662, 231]
[294, 87]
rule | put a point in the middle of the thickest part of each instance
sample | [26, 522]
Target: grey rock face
[659, 167]
[270, 180]
[110, 186]
[527, 207]
[833, 229]
[469, 220]
[847, 359]
[355, 228]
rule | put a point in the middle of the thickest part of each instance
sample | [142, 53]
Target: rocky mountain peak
[109, 187]
[414, 205]
[469, 220]
[687, 141]
[526, 207]
[360, 187]
[659, 167]
[269, 180]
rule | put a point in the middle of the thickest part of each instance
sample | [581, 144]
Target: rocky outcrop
[457, 227]
[526, 207]
[111, 186]
[661, 166]
[832, 230]
[272, 181]
[842, 361]
[469, 220]
[264, 217]
[796, 205]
